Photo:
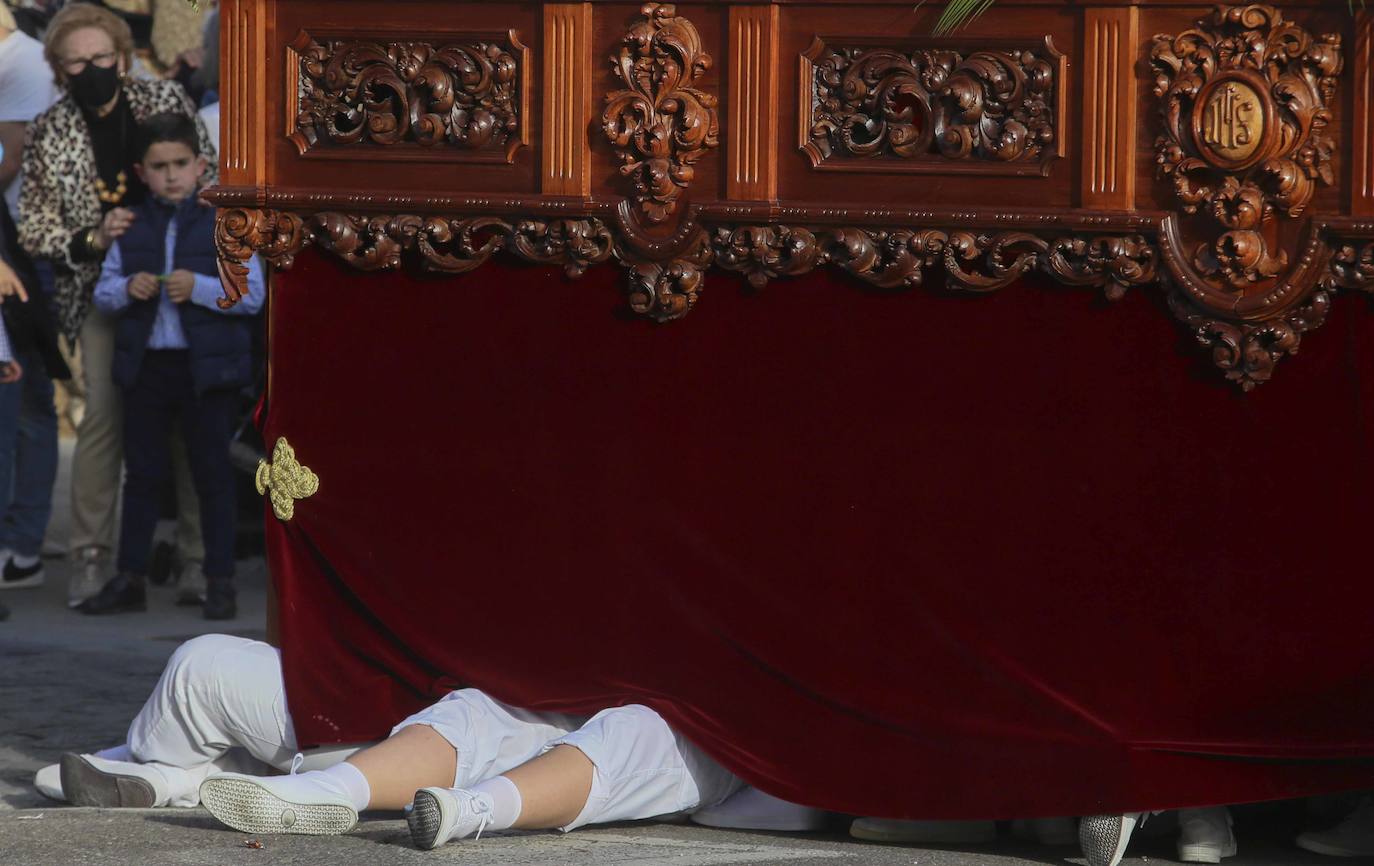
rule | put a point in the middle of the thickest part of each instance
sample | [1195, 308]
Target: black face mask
[95, 86]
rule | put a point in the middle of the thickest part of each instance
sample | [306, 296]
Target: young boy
[177, 355]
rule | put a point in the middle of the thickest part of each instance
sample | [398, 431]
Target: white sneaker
[87, 780]
[1205, 835]
[1104, 837]
[88, 577]
[1056, 832]
[1353, 837]
[15, 576]
[930, 832]
[439, 815]
[277, 804]
[191, 586]
[48, 782]
[752, 809]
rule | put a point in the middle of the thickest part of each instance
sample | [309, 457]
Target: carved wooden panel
[567, 98]
[932, 105]
[1260, 127]
[752, 139]
[460, 97]
[1110, 38]
[661, 123]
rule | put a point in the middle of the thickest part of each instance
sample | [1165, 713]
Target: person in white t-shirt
[26, 91]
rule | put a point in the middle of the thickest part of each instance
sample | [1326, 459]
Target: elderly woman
[78, 185]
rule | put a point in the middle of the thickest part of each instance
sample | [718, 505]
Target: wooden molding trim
[567, 99]
[666, 282]
[751, 144]
[1111, 41]
[1362, 124]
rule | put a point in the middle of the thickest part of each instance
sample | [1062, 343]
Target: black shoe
[14, 577]
[123, 593]
[220, 600]
[160, 568]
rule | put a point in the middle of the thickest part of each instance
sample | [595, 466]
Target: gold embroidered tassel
[286, 478]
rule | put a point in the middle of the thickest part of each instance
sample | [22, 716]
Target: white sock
[352, 781]
[506, 801]
[24, 561]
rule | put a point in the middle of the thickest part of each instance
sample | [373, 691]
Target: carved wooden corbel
[660, 124]
[1244, 107]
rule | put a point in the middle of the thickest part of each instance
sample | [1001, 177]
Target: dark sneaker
[15, 577]
[124, 593]
[220, 600]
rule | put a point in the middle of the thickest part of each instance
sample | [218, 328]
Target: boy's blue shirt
[112, 295]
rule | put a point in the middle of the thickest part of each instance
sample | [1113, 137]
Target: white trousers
[641, 767]
[220, 705]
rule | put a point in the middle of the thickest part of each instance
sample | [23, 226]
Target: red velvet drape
[904, 554]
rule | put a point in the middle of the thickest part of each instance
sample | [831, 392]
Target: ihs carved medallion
[661, 124]
[1245, 130]
[1245, 113]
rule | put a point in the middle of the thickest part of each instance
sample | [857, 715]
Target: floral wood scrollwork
[660, 125]
[668, 287]
[462, 94]
[932, 105]
[1246, 141]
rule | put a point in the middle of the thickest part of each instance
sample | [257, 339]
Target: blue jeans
[28, 458]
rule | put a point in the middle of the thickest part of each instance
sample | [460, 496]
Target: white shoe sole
[979, 836]
[24, 582]
[1205, 853]
[1317, 846]
[427, 818]
[84, 784]
[245, 804]
[1104, 838]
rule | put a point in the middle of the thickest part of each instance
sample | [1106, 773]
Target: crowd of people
[109, 284]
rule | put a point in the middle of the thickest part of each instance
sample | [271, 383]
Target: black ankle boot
[121, 594]
[220, 599]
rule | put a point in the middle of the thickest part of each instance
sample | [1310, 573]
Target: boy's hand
[115, 223]
[179, 285]
[10, 372]
[143, 287]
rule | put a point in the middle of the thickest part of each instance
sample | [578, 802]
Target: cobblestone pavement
[71, 683]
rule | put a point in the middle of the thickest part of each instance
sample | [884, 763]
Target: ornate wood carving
[666, 281]
[1245, 133]
[1109, 107]
[1244, 110]
[932, 105]
[455, 98]
[660, 125]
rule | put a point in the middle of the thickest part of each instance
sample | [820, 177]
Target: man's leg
[623, 764]
[220, 704]
[190, 543]
[460, 741]
[11, 396]
[207, 421]
[98, 459]
[25, 522]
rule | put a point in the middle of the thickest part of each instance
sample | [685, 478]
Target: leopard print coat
[57, 198]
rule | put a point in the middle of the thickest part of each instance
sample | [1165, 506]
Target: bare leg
[417, 757]
[553, 788]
